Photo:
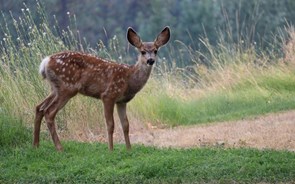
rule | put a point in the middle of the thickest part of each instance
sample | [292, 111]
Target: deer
[71, 72]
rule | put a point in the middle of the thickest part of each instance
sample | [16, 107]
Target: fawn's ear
[133, 38]
[163, 37]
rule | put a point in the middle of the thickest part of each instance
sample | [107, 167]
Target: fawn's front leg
[109, 117]
[121, 108]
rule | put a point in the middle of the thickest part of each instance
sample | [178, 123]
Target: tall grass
[21, 87]
[238, 81]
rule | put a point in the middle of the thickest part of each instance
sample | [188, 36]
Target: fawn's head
[148, 50]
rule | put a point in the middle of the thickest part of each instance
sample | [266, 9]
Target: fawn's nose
[150, 61]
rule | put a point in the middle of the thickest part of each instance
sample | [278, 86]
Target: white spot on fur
[59, 61]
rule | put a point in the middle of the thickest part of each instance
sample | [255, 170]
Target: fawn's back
[86, 74]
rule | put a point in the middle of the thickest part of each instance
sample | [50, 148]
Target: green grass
[93, 163]
[272, 92]
[12, 132]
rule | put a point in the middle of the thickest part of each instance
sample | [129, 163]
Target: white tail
[70, 73]
[43, 66]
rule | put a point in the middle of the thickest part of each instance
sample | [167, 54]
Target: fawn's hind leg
[50, 112]
[39, 114]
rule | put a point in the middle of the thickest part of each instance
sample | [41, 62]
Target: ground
[272, 131]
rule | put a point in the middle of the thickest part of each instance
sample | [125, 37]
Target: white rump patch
[43, 65]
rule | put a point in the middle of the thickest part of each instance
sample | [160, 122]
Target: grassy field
[272, 93]
[93, 163]
[240, 82]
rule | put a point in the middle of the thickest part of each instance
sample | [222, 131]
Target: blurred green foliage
[254, 20]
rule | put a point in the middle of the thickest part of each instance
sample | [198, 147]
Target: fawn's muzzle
[150, 61]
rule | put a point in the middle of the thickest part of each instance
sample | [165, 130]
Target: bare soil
[273, 131]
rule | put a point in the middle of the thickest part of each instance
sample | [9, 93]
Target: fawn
[70, 73]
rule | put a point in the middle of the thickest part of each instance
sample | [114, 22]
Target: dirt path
[275, 131]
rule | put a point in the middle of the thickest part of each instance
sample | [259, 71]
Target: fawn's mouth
[150, 62]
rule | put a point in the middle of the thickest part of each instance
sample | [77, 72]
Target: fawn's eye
[155, 52]
[143, 52]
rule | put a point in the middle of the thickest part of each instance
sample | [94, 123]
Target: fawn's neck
[140, 74]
